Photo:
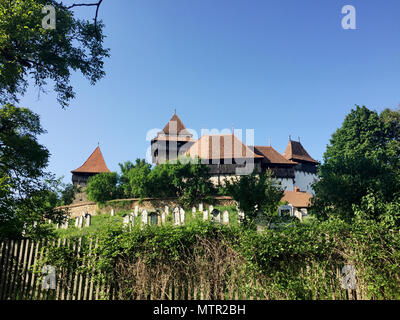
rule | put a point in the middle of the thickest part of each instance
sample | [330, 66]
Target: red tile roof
[299, 199]
[295, 151]
[271, 155]
[94, 164]
[221, 146]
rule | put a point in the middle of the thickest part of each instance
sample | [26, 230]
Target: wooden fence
[21, 278]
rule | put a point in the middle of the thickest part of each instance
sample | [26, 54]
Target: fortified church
[225, 155]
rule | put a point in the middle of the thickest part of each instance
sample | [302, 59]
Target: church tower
[93, 165]
[173, 141]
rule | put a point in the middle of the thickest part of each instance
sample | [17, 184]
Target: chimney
[296, 189]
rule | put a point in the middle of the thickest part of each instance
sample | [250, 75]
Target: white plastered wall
[304, 180]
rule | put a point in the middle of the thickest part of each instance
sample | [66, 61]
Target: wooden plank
[76, 253]
[63, 286]
[25, 268]
[13, 268]
[2, 251]
[80, 274]
[5, 258]
[93, 273]
[33, 277]
[58, 273]
[52, 292]
[88, 273]
[23, 265]
[70, 291]
[40, 291]
[19, 270]
[8, 271]
[97, 273]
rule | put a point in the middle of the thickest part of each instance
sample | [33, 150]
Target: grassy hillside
[102, 221]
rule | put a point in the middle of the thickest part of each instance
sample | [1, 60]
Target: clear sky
[282, 67]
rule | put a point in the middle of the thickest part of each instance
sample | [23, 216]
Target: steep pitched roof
[271, 155]
[94, 164]
[295, 151]
[221, 146]
[175, 126]
[296, 198]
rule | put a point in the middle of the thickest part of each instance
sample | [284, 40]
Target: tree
[29, 50]
[26, 190]
[103, 187]
[135, 178]
[67, 194]
[187, 179]
[192, 182]
[255, 193]
[362, 158]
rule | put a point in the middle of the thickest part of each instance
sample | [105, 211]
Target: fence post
[5, 258]
[80, 273]
[76, 252]
[19, 270]
[13, 268]
[88, 273]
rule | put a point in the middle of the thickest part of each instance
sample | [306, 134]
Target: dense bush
[103, 187]
[363, 157]
[301, 262]
[255, 194]
[187, 179]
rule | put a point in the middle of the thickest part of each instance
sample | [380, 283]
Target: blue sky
[282, 67]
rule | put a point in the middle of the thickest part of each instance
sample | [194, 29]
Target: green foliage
[302, 262]
[362, 157]
[27, 192]
[68, 194]
[135, 178]
[103, 187]
[28, 50]
[186, 179]
[255, 193]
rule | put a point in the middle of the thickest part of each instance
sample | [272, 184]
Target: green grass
[101, 221]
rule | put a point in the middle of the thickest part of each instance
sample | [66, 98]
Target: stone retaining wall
[77, 210]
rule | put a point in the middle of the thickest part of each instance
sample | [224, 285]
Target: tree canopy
[361, 158]
[255, 193]
[29, 51]
[103, 187]
[189, 181]
[27, 192]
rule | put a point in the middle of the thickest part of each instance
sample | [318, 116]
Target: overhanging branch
[96, 4]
